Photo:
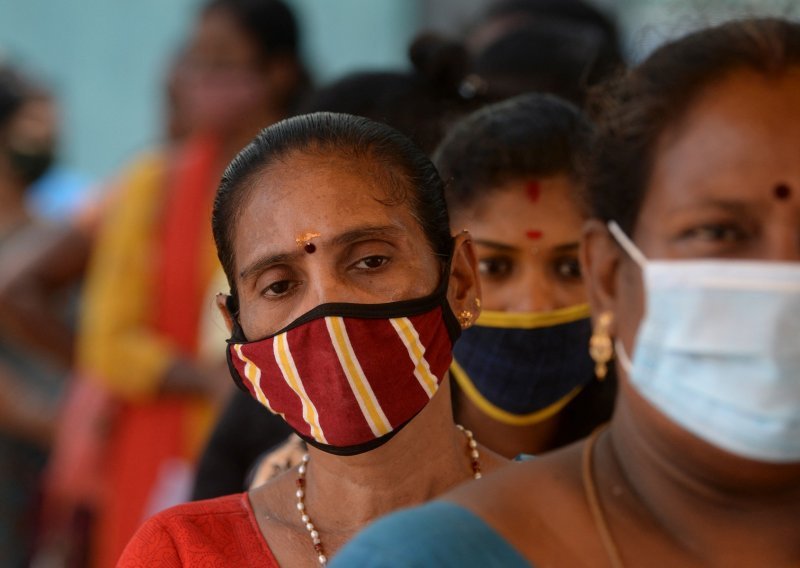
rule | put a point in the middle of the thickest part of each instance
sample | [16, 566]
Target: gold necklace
[589, 486]
[474, 456]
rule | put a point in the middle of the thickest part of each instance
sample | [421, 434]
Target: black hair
[412, 178]
[634, 111]
[562, 47]
[14, 91]
[420, 103]
[576, 11]
[273, 28]
[556, 57]
[270, 23]
[530, 135]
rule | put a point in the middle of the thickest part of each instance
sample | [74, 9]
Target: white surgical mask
[718, 351]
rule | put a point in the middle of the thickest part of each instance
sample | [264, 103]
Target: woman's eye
[278, 288]
[372, 262]
[495, 267]
[717, 233]
[568, 268]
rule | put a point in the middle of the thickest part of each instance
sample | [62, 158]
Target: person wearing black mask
[29, 384]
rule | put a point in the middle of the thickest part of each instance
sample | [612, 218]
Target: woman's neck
[702, 500]
[425, 459]
[508, 440]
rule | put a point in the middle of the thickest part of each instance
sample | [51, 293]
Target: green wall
[106, 59]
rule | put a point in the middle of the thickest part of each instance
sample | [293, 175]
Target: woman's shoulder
[441, 534]
[538, 507]
[224, 528]
[521, 515]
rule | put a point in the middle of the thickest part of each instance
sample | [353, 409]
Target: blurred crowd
[116, 400]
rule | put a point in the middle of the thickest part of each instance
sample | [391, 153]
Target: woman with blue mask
[514, 175]
[692, 259]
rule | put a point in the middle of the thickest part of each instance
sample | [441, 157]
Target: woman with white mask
[693, 265]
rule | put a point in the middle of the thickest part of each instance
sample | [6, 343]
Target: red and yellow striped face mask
[347, 377]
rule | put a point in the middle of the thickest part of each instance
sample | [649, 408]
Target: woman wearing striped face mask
[347, 294]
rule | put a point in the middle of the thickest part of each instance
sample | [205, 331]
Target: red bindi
[533, 190]
[310, 247]
[782, 191]
[533, 234]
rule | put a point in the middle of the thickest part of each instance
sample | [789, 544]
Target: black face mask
[522, 368]
[31, 164]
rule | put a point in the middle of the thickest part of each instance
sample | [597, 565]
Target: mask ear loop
[639, 258]
[622, 356]
[627, 244]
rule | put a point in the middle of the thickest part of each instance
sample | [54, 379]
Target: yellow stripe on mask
[497, 413]
[365, 397]
[408, 335]
[253, 374]
[286, 363]
[533, 320]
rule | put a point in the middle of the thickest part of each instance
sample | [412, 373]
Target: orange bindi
[304, 241]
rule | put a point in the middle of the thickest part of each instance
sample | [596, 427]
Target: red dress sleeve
[214, 533]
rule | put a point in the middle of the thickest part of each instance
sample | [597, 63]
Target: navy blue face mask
[522, 368]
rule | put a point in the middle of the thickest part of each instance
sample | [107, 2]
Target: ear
[222, 305]
[464, 290]
[600, 261]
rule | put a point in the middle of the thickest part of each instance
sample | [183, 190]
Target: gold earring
[477, 303]
[601, 348]
[465, 319]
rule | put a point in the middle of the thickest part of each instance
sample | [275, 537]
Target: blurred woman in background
[147, 287]
[30, 374]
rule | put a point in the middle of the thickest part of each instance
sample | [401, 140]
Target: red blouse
[216, 532]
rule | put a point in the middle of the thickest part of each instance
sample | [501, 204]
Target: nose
[782, 242]
[322, 286]
[538, 295]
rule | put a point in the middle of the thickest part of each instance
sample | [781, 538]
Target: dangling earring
[465, 319]
[601, 348]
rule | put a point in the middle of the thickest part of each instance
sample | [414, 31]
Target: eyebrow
[347, 238]
[261, 264]
[495, 245]
[365, 233]
[566, 247]
[729, 205]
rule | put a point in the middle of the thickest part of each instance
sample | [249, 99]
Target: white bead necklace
[474, 456]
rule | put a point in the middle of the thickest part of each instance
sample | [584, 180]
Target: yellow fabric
[202, 416]
[532, 320]
[116, 342]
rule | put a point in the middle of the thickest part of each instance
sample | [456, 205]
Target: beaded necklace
[474, 455]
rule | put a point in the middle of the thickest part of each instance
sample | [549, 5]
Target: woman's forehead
[738, 138]
[326, 195]
[326, 182]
